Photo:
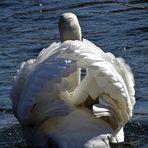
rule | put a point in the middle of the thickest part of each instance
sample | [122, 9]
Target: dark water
[27, 26]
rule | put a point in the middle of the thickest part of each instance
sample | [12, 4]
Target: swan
[56, 108]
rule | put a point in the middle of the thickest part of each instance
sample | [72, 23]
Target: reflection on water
[117, 26]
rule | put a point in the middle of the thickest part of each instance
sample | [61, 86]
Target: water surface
[28, 26]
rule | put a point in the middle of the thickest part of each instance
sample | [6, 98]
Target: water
[28, 26]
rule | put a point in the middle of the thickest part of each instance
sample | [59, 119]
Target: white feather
[47, 90]
[112, 80]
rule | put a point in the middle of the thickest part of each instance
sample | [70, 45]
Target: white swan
[53, 104]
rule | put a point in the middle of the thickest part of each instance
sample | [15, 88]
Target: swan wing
[107, 78]
[23, 72]
[19, 82]
[47, 52]
[53, 72]
[40, 97]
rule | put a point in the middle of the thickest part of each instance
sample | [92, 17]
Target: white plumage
[48, 93]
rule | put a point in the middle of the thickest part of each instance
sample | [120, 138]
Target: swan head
[69, 27]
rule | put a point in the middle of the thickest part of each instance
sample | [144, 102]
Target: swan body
[52, 103]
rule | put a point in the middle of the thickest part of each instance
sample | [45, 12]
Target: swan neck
[69, 27]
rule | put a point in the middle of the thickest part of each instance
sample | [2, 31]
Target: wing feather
[19, 82]
[107, 78]
[110, 76]
[48, 77]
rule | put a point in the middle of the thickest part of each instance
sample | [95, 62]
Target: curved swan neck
[69, 27]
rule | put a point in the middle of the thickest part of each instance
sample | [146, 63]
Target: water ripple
[117, 26]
